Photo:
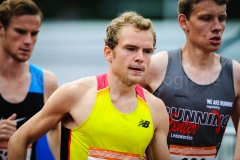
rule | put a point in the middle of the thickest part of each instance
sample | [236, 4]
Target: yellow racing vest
[108, 133]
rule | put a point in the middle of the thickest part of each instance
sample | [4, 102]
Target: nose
[139, 56]
[28, 39]
[217, 26]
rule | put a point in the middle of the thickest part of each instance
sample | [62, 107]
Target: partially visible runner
[106, 116]
[200, 88]
[24, 87]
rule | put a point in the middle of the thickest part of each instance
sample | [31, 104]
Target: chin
[136, 80]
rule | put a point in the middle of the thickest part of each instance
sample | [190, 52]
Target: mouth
[215, 40]
[136, 69]
[24, 50]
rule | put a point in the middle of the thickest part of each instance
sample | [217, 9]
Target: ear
[183, 22]
[108, 53]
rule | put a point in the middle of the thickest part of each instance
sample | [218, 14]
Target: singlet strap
[37, 82]
[102, 81]
[140, 92]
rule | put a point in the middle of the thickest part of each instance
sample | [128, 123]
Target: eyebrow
[131, 45]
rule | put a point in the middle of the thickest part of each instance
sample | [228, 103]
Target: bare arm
[53, 136]
[158, 149]
[236, 110]
[237, 148]
[55, 109]
[156, 72]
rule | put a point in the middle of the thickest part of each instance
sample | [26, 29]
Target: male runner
[24, 87]
[200, 88]
[106, 116]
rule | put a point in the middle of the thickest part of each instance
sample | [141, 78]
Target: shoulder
[80, 85]
[49, 78]
[157, 108]
[236, 66]
[155, 103]
[156, 71]
[158, 111]
[74, 91]
[50, 84]
[159, 61]
[236, 70]
[236, 75]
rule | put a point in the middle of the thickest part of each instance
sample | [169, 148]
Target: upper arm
[50, 84]
[54, 110]
[156, 71]
[236, 110]
[158, 148]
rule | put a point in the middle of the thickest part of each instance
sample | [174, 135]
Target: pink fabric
[103, 82]
[139, 90]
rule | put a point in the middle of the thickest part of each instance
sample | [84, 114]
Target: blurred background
[70, 43]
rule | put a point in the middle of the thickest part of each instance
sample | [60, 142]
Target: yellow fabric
[112, 132]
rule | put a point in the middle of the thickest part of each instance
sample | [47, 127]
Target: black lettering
[146, 124]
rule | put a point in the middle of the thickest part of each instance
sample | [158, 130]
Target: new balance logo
[144, 123]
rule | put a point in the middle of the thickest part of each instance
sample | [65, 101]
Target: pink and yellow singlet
[107, 133]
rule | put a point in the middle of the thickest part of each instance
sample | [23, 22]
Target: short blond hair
[127, 18]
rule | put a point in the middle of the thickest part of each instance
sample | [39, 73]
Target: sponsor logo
[180, 96]
[185, 121]
[144, 123]
[16, 120]
[192, 153]
[217, 104]
[104, 154]
[20, 119]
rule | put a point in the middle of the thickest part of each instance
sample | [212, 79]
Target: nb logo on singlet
[144, 123]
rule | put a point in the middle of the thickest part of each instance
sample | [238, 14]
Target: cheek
[34, 39]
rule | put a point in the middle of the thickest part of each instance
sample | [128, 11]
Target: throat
[126, 106]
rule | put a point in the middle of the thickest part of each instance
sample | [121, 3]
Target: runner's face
[206, 25]
[132, 54]
[19, 38]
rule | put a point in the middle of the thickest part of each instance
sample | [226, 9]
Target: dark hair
[11, 8]
[185, 6]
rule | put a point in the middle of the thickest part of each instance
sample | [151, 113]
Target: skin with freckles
[205, 26]
[203, 23]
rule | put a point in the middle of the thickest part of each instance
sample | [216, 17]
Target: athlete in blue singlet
[24, 88]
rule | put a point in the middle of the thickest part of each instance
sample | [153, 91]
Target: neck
[118, 87]
[11, 70]
[197, 58]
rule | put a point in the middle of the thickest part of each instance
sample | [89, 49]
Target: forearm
[16, 149]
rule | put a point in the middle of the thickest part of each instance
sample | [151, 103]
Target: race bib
[103, 154]
[192, 153]
[4, 153]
